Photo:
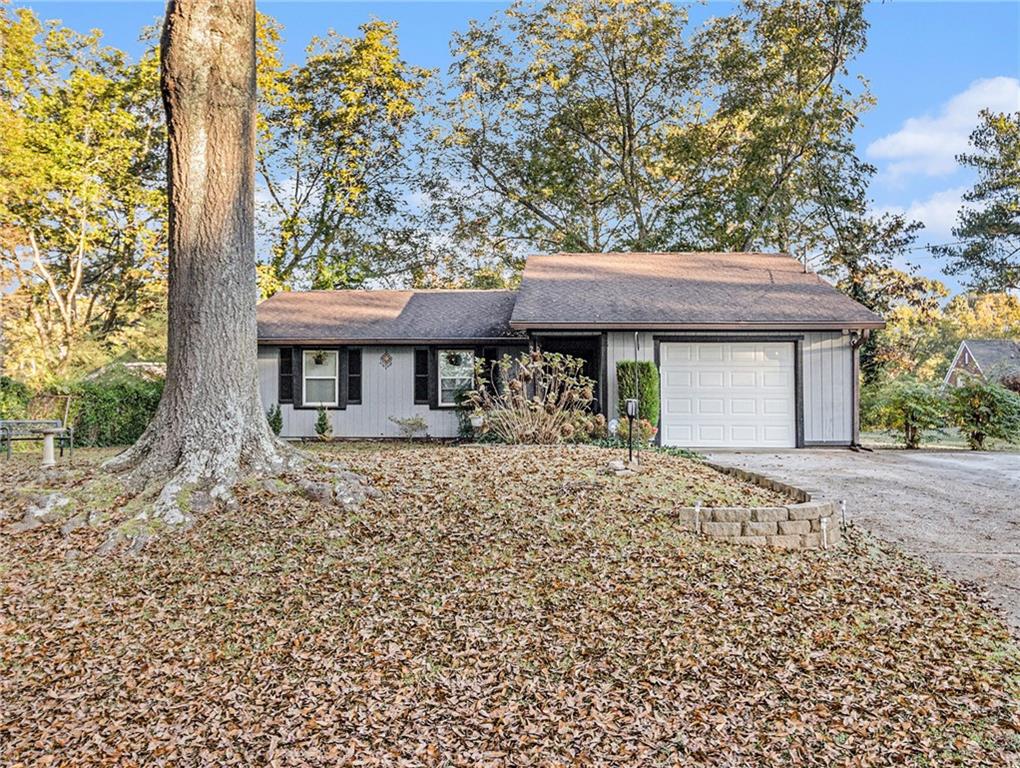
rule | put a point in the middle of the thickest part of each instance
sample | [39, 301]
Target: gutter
[528, 325]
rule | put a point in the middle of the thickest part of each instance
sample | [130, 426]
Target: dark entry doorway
[586, 348]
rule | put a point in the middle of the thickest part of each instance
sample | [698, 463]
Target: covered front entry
[587, 348]
[733, 394]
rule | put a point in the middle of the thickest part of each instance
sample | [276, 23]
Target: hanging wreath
[454, 358]
[319, 358]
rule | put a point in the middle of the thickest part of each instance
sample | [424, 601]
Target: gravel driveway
[961, 510]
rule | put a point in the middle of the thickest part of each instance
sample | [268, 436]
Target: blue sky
[931, 66]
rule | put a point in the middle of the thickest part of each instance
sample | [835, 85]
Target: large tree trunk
[210, 424]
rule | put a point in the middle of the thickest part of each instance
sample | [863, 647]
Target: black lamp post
[631, 415]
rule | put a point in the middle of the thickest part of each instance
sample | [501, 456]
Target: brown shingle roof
[680, 290]
[995, 357]
[384, 316]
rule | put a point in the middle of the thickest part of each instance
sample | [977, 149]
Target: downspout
[857, 340]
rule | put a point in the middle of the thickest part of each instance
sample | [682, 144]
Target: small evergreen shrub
[323, 425]
[114, 409]
[275, 418]
[905, 406]
[985, 410]
[14, 397]
[647, 391]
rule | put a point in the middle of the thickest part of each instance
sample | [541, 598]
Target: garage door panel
[731, 394]
[743, 379]
[711, 378]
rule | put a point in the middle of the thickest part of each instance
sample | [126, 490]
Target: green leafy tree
[334, 159]
[984, 410]
[989, 229]
[81, 192]
[584, 126]
[906, 406]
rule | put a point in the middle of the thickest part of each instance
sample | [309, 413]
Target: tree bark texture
[209, 425]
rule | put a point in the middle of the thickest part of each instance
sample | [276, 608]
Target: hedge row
[647, 388]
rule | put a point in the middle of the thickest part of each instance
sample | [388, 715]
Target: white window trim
[439, 374]
[335, 379]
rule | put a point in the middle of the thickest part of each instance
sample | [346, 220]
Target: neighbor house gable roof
[994, 357]
[361, 317]
[680, 290]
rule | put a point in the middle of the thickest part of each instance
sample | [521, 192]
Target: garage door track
[961, 510]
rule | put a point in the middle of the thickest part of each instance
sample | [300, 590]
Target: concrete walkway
[961, 510]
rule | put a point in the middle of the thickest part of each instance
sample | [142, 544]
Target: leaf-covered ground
[495, 606]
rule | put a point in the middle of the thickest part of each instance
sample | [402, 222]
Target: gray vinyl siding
[620, 346]
[385, 392]
[827, 370]
[828, 388]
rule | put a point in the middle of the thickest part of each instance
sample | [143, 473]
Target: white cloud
[937, 213]
[929, 144]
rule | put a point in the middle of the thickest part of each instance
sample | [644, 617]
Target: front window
[456, 374]
[320, 377]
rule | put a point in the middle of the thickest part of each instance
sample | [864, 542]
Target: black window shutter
[421, 376]
[433, 378]
[285, 379]
[298, 376]
[342, 383]
[354, 376]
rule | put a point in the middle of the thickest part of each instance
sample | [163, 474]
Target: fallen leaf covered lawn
[495, 606]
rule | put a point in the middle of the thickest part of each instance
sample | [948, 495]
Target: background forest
[565, 125]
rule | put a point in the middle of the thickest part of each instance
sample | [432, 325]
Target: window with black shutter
[354, 377]
[421, 376]
[286, 374]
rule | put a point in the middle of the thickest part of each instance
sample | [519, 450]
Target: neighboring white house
[752, 349]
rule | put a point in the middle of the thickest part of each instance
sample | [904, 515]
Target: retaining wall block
[720, 530]
[731, 514]
[761, 528]
[795, 526]
[784, 542]
[769, 514]
[809, 510]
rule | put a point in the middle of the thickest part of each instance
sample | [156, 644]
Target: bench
[32, 429]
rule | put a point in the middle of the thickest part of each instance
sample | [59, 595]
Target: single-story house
[752, 349]
[988, 359]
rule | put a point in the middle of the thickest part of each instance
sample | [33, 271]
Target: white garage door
[730, 394]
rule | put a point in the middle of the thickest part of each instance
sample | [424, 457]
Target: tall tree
[81, 192]
[335, 159]
[581, 125]
[989, 229]
[209, 425]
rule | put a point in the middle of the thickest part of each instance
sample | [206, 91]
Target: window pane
[456, 363]
[354, 389]
[354, 361]
[327, 366]
[320, 391]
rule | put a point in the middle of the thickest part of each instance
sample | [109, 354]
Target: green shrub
[323, 425]
[14, 397]
[982, 410]
[905, 406]
[114, 409]
[647, 391]
[275, 418]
